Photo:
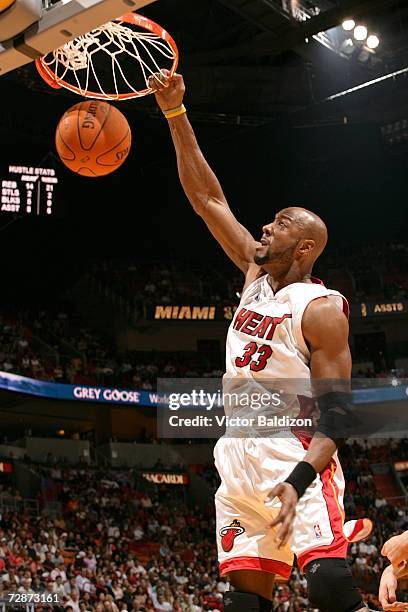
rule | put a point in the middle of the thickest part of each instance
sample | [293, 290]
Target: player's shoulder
[311, 291]
[314, 287]
[323, 305]
[324, 325]
[323, 313]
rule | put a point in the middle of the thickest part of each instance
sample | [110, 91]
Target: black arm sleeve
[337, 420]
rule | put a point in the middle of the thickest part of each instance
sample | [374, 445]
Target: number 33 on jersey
[265, 337]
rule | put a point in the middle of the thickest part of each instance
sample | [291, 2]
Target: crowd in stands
[55, 346]
[363, 499]
[113, 547]
[145, 285]
[16, 349]
[362, 274]
[118, 543]
[51, 343]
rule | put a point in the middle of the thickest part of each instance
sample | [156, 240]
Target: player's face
[279, 240]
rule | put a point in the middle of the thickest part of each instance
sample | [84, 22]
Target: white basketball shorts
[249, 468]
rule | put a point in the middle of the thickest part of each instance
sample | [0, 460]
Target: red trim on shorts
[338, 548]
[318, 553]
[257, 564]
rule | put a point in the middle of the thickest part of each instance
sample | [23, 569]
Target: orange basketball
[93, 138]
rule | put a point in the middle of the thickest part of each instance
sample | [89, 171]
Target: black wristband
[301, 477]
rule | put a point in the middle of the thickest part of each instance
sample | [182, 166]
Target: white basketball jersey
[265, 340]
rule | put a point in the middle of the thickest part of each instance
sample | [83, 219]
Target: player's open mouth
[264, 242]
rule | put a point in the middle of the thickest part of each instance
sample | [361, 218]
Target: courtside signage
[373, 309]
[166, 478]
[211, 312]
[51, 390]
[135, 397]
[192, 313]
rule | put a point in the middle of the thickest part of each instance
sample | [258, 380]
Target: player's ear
[305, 247]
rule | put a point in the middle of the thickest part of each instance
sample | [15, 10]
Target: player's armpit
[199, 182]
[252, 274]
[234, 238]
[205, 193]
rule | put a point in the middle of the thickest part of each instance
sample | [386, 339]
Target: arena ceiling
[247, 61]
[252, 81]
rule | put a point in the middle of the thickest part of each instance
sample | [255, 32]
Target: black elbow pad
[336, 420]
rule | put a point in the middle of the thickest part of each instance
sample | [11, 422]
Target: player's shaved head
[296, 235]
[311, 226]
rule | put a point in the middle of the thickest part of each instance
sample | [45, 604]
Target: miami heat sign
[229, 533]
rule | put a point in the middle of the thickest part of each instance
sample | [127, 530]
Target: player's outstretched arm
[199, 182]
[326, 331]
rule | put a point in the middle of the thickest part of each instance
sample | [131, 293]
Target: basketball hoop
[80, 65]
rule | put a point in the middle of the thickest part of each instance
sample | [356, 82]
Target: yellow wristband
[175, 112]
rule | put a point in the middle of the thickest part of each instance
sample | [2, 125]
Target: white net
[101, 63]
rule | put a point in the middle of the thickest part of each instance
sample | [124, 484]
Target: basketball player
[287, 326]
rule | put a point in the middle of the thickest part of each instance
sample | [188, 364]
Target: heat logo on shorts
[229, 533]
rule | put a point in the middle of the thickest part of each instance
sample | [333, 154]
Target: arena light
[360, 32]
[373, 41]
[348, 25]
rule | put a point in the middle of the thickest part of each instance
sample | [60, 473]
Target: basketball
[93, 138]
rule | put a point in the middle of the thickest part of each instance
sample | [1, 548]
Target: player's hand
[169, 91]
[397, 606]
[288, 497]
[388, 587]
[396, 549]
[387, 592]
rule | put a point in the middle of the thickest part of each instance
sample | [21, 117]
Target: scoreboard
[28, 190]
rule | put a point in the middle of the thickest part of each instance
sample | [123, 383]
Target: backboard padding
[60, 23]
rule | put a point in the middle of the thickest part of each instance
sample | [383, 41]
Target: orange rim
[52, 80]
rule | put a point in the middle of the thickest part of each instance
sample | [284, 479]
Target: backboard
[60, 22]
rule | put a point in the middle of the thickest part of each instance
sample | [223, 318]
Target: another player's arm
[396, 549]
[325, 329]
[199, 182]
